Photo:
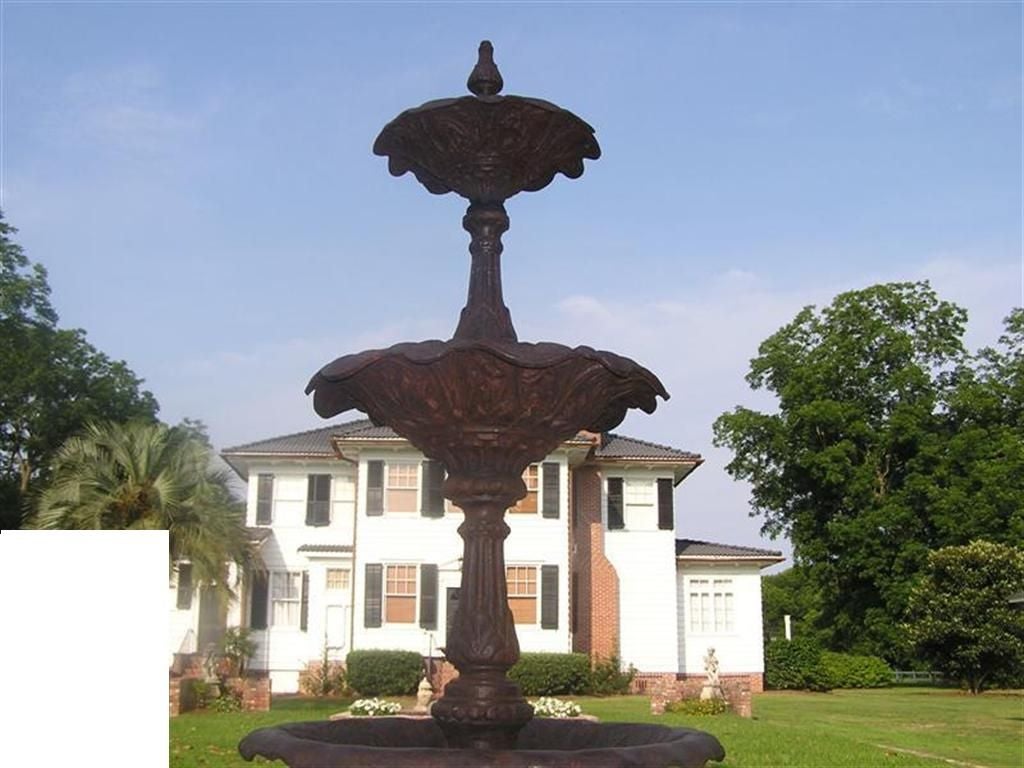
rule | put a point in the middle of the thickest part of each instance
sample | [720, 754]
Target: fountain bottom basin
[397, 742]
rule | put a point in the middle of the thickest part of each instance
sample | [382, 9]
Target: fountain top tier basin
[448, 144]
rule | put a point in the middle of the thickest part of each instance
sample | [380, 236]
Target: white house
[361, 551]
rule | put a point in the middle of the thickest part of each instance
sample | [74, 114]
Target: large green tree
[792, 593]
[143, 475]
[889, 441]
[52, 381]
[961, 618]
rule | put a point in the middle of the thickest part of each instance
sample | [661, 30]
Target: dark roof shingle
[621, 447]
[695, 548]
[325, 548]
[317, 442]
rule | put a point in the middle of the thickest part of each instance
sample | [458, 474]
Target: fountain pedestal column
[482, 708]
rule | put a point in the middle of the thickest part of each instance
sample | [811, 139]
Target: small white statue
[424, 694]
[712, 685]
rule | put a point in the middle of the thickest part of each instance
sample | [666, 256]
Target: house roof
[621, 447]
[325, 548]
[319, 442]
[692, 549]
[258, 535]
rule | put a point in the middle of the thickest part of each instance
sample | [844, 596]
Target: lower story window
[711, 606]
[522, 593]
[286, 598]
[400, 594]
[337, 578]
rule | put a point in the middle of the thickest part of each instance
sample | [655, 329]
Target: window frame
[531, 475]
[386, 596]
[535, 570]
[387, 487]
[714, 612]
[275, 576]
[327, 579]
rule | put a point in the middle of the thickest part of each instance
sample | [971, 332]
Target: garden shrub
[607, 678]
[794, 664]
[698, 706]
[384, 673]
[195, 694]
[551, 674]
[847, 670]
[320, 679]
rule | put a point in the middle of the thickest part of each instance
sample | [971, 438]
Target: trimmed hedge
[551, 674]
[384, 673]
[607, 678]
[795, 664]
[846, 670]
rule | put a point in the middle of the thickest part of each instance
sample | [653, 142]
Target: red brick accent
[597, 609]
[254, 692]
[736, 689]
[175, 696]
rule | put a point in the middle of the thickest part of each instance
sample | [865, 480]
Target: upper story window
[528, 504]
[712, 605]
[318, 500]
[393, 486]
[641, 503]
[402, 486]
[264, 499]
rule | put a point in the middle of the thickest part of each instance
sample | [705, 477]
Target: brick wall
[175, 696]
[665, 688]
[254, 692]
[597, 604]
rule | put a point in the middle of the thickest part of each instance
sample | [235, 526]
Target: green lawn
[891, 727]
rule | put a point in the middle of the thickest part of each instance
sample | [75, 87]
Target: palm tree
[142, 475]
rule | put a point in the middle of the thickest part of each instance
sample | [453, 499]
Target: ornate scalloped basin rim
[546, 743]
[523, 354]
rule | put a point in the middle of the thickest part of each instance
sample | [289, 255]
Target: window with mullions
[400, 594]
[285, 598]
[402, 485]
[528, 504]
[522, 593]
[712, 605]
[338, 579]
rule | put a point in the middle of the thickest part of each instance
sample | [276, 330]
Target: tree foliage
[889, 441]
[792, 592]
[148, 476]
[52, 381]
[960, 615]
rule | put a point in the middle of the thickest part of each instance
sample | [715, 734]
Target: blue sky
[197, 178]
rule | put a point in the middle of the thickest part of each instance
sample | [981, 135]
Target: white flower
[547, 706]
[374, 707]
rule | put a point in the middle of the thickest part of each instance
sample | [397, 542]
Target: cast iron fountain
[487, 406]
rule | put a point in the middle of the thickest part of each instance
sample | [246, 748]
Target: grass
[860, 729]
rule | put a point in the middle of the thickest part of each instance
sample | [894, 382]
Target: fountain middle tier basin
[514, 401]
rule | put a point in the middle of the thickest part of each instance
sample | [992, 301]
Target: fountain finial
[485, 79]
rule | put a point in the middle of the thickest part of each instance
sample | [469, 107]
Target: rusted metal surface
[485, 405]
[543, 743]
